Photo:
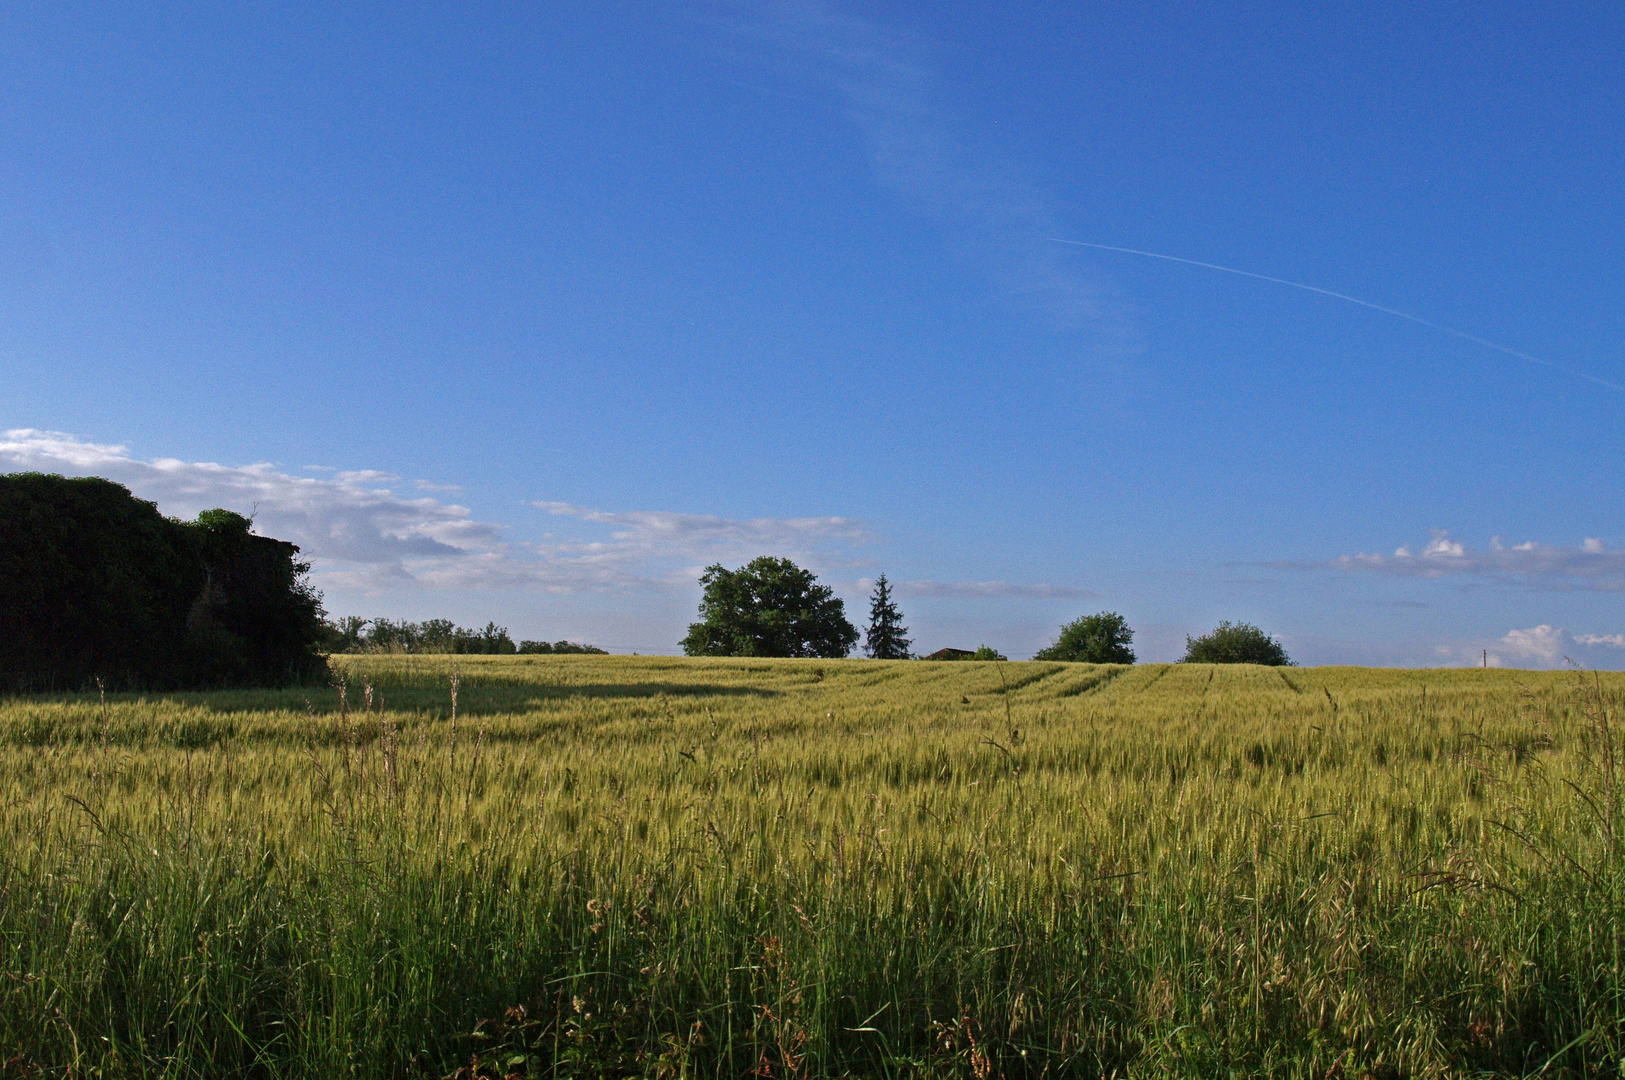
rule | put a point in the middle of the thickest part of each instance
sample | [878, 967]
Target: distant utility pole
[1486, 659]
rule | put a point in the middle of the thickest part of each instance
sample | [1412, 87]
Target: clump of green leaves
[769, 607]
[1093, 639]
[358, 635]
[1235, 643]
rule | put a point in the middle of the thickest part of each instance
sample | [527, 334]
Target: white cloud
[360, 535]
[1590, 566]
[1442, 547]
[1542, 643]
[365, 476]
[1543, 646]
[986, 589]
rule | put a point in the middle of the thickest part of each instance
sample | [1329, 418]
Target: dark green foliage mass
[257, 621]
[886, 638]
[1235, 643]
[1093, 639]
[769, 607]
[987, 652]
[429, 636]
[93, 583]
[561, 648]
[96, 584]
[347, 633]
[354, 634]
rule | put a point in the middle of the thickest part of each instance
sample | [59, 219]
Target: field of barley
[617, 866]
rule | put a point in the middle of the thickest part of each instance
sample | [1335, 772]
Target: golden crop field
[617, 866]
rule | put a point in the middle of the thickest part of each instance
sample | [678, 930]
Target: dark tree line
[97, 584]
[354, 634]
[772, 607]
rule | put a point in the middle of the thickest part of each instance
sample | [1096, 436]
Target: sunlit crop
[647, 866]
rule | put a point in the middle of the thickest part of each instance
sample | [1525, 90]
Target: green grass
[656, 867]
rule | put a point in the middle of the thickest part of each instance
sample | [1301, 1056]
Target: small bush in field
[1235, 643]
[1092, 639]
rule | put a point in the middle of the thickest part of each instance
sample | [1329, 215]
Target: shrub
[1092, 639]
[1235, 643]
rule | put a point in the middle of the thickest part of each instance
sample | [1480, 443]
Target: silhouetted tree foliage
[1235, 643]
[431, 636]
[561, 648]
[886, 637]
[768, 607]
[1093, 639]
[95, 583]
[257, 621]
[986, 652]
[347, 633]
[354, 634]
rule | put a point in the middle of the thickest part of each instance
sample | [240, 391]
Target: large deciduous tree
[886, 638]
[1093, 639]
[768, 607]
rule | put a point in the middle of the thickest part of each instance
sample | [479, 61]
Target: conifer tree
[885, 638]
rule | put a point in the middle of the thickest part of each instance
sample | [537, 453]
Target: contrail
[1452, 331]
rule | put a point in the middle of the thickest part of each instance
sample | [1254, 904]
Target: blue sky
[527, 313]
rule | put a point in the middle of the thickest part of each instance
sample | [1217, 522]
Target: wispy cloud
[961, 590]
[1590, 566]
[654, 545]
[361, 535]
[705, 534]
[886, 81]
[354, 530]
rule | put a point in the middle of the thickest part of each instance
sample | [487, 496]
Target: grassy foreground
[671, 868]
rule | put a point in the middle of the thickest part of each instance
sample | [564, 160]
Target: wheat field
[617, 866]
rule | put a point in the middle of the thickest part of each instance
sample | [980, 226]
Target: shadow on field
[197, 720]
[623, 690]
[484, 699]
[476, 695]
